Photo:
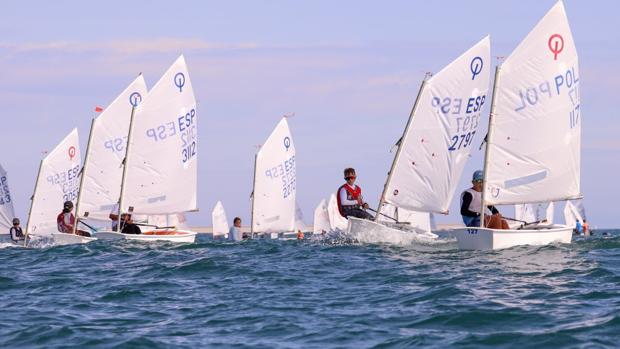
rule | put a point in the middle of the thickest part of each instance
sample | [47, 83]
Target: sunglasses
[350, 177]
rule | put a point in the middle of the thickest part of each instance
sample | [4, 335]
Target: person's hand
[359, 201]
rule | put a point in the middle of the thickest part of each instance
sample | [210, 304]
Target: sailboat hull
[492, 239]
[366, 231]
[171, 235]
[70, 239]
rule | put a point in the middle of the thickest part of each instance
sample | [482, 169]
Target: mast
[486, 148]
[79, 198]
[125, 161]
[34, 194]
[400, 146]
[253, 193]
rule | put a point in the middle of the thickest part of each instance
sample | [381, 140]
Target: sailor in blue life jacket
[578, 227]
[350, 199]
[471, 203]
[16, 231]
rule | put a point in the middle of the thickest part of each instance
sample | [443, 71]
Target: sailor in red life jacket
[66, 220]
[350, 199]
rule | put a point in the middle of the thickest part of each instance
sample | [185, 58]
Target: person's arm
[344, 200]
[113, 217]
[465, 211]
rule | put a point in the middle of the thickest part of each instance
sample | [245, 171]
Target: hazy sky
[349, 70]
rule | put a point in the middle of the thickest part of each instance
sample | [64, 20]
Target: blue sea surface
[310, 294]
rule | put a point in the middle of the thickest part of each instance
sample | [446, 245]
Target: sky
[348, 70]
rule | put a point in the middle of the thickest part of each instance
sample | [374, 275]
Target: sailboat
[274, 189]
[534, 138]
[160, 168]
[540, 212]
[219, 221]
[337, 222]
[574, 211]
[57, 181]
[434, 148]
[300, 225]
[7, 212]
[102, 172]
[321, 224]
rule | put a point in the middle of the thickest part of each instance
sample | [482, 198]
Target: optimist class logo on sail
[462, 112]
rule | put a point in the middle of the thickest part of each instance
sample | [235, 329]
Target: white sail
[336, 221]
[441, 133]
[321, 219]
[536, 212]
[534, 144]
[219, 221]
[6, 203]
[161, 175]
[101, 185]
[417, 220]
[573, 212]
[275, 183]
[176, 220]
[57, 182]
[300, 225]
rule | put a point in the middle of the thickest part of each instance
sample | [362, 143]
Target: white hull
[70, 239]
[150, 235]
[367, 231]
[492, 239]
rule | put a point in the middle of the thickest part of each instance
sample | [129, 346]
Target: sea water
[310, 294]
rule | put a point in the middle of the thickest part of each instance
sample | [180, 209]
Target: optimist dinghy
[160, 169]
[275, 186]
[434, 148]
[219, 221]
[57, 182]
[533, 144]
[321, 224]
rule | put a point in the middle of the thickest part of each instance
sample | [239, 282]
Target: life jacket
[63, 226]
[16, 233]
[352, 194]
[476, 201]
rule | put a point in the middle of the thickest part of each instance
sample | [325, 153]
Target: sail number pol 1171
[567, 83]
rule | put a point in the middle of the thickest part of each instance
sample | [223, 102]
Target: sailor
[234, 233]
[350, 199]
[578, 227]
[586, 228]
[16, 232]
[127, 224]
[471, 202]
[66, 220]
